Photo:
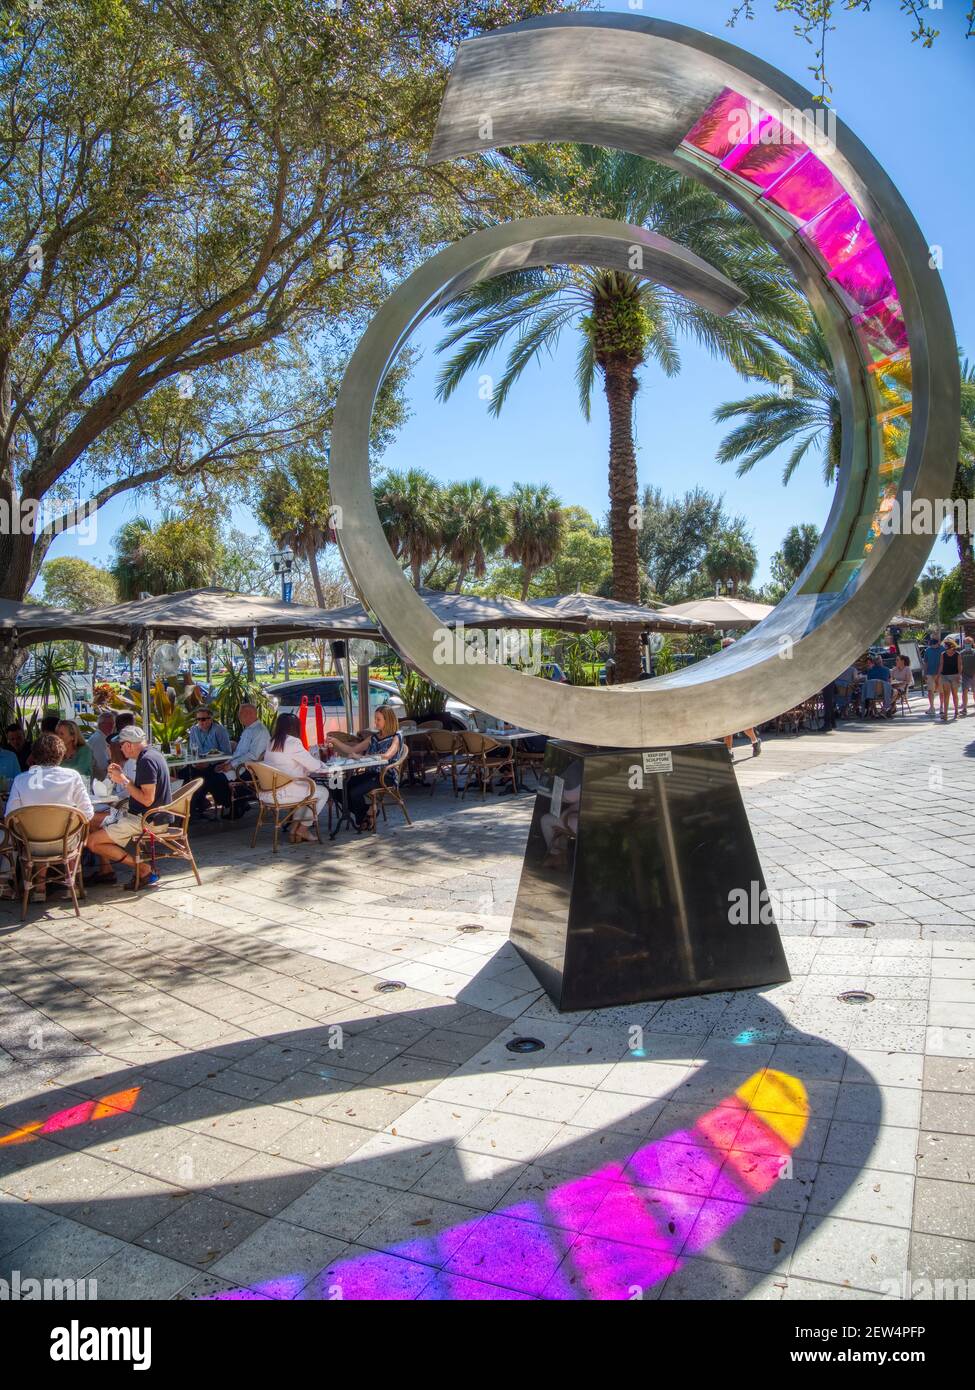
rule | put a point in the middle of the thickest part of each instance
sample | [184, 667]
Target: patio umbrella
[591, 612]
[899, 621]
[720, 612]
[24, 624]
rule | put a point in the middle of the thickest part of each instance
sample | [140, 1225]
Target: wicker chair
[482, 757]
[389, 790]
[444, 747]
[528, 760]
[269, 782]
[49, 839]
[162, 839]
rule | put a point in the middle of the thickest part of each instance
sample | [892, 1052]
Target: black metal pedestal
[641, 879]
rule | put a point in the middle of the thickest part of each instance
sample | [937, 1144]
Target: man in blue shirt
[931, 659]
[877, 671]
[208, 737]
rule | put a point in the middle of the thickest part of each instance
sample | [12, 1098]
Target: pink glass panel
[881, 328]
[839, 233]
[807, 189]
[767, 153]
[724, 124]
[866, 277]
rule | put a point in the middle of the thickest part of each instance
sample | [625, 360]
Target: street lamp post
[284, 560]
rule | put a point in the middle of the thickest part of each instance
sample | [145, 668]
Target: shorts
[950, 682]
[932, 683]
[122, 828]
[968, 684]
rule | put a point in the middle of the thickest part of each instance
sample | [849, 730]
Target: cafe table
[336, 773]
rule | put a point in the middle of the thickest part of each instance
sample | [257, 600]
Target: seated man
[47, 783]
[206, 737]
[17, 742]
[877, 671]
[98, 743]
[148, 787]
[250, 748]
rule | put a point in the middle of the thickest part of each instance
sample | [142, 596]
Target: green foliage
[950, 597]
[788, 562]
[664, 660]
[420, 696]
[179, 552]
[537, 528]
[168, 719]
[411, 512]
[475, 524]
[235, 689]
[731, 558]
[203, 204]
[72, 583]
[578, 654]
[674, 534]
[49, 684]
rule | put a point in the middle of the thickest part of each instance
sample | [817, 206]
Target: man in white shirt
[98, 743]
[251, 747]
[46, 783]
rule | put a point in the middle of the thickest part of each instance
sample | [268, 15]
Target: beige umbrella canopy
[720, 612]
[591, 612]
[200, 613]
[898, 620]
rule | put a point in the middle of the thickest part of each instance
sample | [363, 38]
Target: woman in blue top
[388, 741]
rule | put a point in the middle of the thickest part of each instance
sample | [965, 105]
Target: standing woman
[388, 741]
[949, 675]
[77, 754]
[288, 754]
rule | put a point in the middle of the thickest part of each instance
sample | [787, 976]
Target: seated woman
[901, 677]
[289, 755]
[77, 753]
[387, 741]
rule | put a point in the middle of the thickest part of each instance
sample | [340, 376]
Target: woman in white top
[289, 755]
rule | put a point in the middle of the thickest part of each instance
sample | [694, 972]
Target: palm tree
[964, 485]
[537, 527]
[731, 557]
[131, 563]
[623, 323]
[294, 506]
[410, 507]
[178, 552]
[803, 410]
[475, 526]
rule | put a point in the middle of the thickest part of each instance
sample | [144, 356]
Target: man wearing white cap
[148, 787]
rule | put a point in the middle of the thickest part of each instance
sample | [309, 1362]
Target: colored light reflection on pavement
[117, 1104]
[610, 1234]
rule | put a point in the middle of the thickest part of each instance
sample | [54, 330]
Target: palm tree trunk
[966, 561]
[620, 384]
[526, 580]
[316, 578]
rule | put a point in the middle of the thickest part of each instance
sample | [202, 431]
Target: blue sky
[910, 106]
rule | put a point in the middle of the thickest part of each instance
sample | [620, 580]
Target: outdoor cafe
[220, 760]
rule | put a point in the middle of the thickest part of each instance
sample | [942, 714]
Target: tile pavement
[293, 1133]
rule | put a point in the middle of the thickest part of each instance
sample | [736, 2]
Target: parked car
[330, 690]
